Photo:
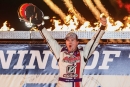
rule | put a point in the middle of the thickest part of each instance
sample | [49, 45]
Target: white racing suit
[71, 65]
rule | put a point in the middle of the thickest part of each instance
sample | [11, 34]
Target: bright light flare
[46, 18]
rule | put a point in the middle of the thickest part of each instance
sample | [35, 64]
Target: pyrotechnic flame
[72, 24]
[55, 8]
[72, 10]
[5, 27]
[101, 7]
[93, 9]
[75, 22]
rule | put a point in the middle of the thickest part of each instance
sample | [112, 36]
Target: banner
[28, 65]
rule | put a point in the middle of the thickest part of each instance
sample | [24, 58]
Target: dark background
[8, 11]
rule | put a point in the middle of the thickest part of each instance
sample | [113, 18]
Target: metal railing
[84, 36]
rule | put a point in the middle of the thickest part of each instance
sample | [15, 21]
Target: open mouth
[70, 46]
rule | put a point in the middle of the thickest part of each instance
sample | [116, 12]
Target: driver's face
[71, 44]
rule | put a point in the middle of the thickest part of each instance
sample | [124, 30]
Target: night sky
[8, 11]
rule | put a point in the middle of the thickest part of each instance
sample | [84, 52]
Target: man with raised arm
[72, 59]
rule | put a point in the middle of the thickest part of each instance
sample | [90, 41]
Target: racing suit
[71, 65]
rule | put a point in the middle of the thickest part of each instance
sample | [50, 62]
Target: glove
[103, 27]
[40, 27]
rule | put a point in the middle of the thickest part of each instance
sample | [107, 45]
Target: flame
[72, 24]
[5, 27]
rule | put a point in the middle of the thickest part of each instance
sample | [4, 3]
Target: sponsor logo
[70, 68]
[70, 75]
[71, 60]
[70, 71]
